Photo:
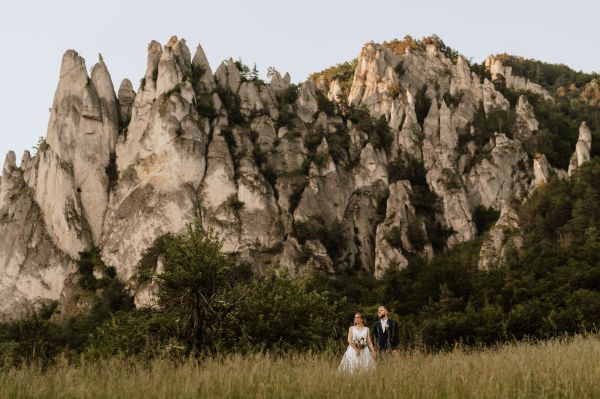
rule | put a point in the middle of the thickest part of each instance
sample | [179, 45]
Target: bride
[360, 355]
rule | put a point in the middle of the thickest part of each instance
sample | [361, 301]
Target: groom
[385, 332]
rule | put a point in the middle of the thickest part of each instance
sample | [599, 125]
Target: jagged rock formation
[496, 68]
[504, 240]
[541, 170]
[582, 149]
[288, 178]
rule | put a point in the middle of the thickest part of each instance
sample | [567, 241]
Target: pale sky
[296, 37]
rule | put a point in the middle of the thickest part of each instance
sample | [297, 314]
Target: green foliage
[422, 104]
[407, 168]
[559, 127]
[195, 283]
[548, 75]
[550, 288]
[378, 130]
[29, 340]
[453, 100]
[399, 69]
[232, 146]
[173, 90]
[260, 157]
[205, 106]
[234, 203]
[313, 138]
[41, 145]
[39, 339]
[247, 74]
[289, 95]
[231, 103]
[138, 333]
[441, 46]
[452, 181]
[244, 70]
[339, 144]
[270, 175]
[279, 313]
[394, 237]
[415, 236]
[486, 125]
[329, 234]
[400, 46]
[324, 104]
[112, 172]
[343, 73]
[481, 71]
[286, 112]
[196, 74]
[426, 203]
[485, 218]
[511, 95]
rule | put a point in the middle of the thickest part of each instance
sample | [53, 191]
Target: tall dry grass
[566, 368]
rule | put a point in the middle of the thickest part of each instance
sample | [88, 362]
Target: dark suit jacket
[388, 339]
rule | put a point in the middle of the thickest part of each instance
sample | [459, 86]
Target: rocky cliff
[300, 177]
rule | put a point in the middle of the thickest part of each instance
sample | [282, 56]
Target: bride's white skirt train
[353, 362]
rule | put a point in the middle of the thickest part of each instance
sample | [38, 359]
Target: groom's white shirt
[383, 324]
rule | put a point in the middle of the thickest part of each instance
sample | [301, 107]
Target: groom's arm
[375, 332]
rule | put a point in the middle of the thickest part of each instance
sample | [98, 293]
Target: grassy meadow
[565, 368]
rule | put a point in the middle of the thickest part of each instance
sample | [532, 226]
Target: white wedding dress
[353, 362]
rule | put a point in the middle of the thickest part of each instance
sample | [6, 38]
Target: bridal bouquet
[360, 342]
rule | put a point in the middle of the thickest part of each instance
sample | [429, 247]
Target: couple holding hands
[361, 354]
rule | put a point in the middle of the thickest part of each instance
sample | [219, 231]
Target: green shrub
[399, 69]
[415, 236]
[173, 90]
[289, 95]
[422, 104]
[260, 157]
[140, 333]
[343, 73]
[324, 104]
[270, 175]
[394, 237]
[234, 203]
[112, 172]
[205, 106]
[270, 306]
[485, 218]
[231, 102]
[329, 234]
[453, 100]
[196, 74]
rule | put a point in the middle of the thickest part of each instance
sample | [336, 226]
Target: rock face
[503, 242]
[514, 82]
[582, 149]
[541, 170]
[287, 177]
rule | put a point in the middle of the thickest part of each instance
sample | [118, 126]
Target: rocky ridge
[297, 177]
